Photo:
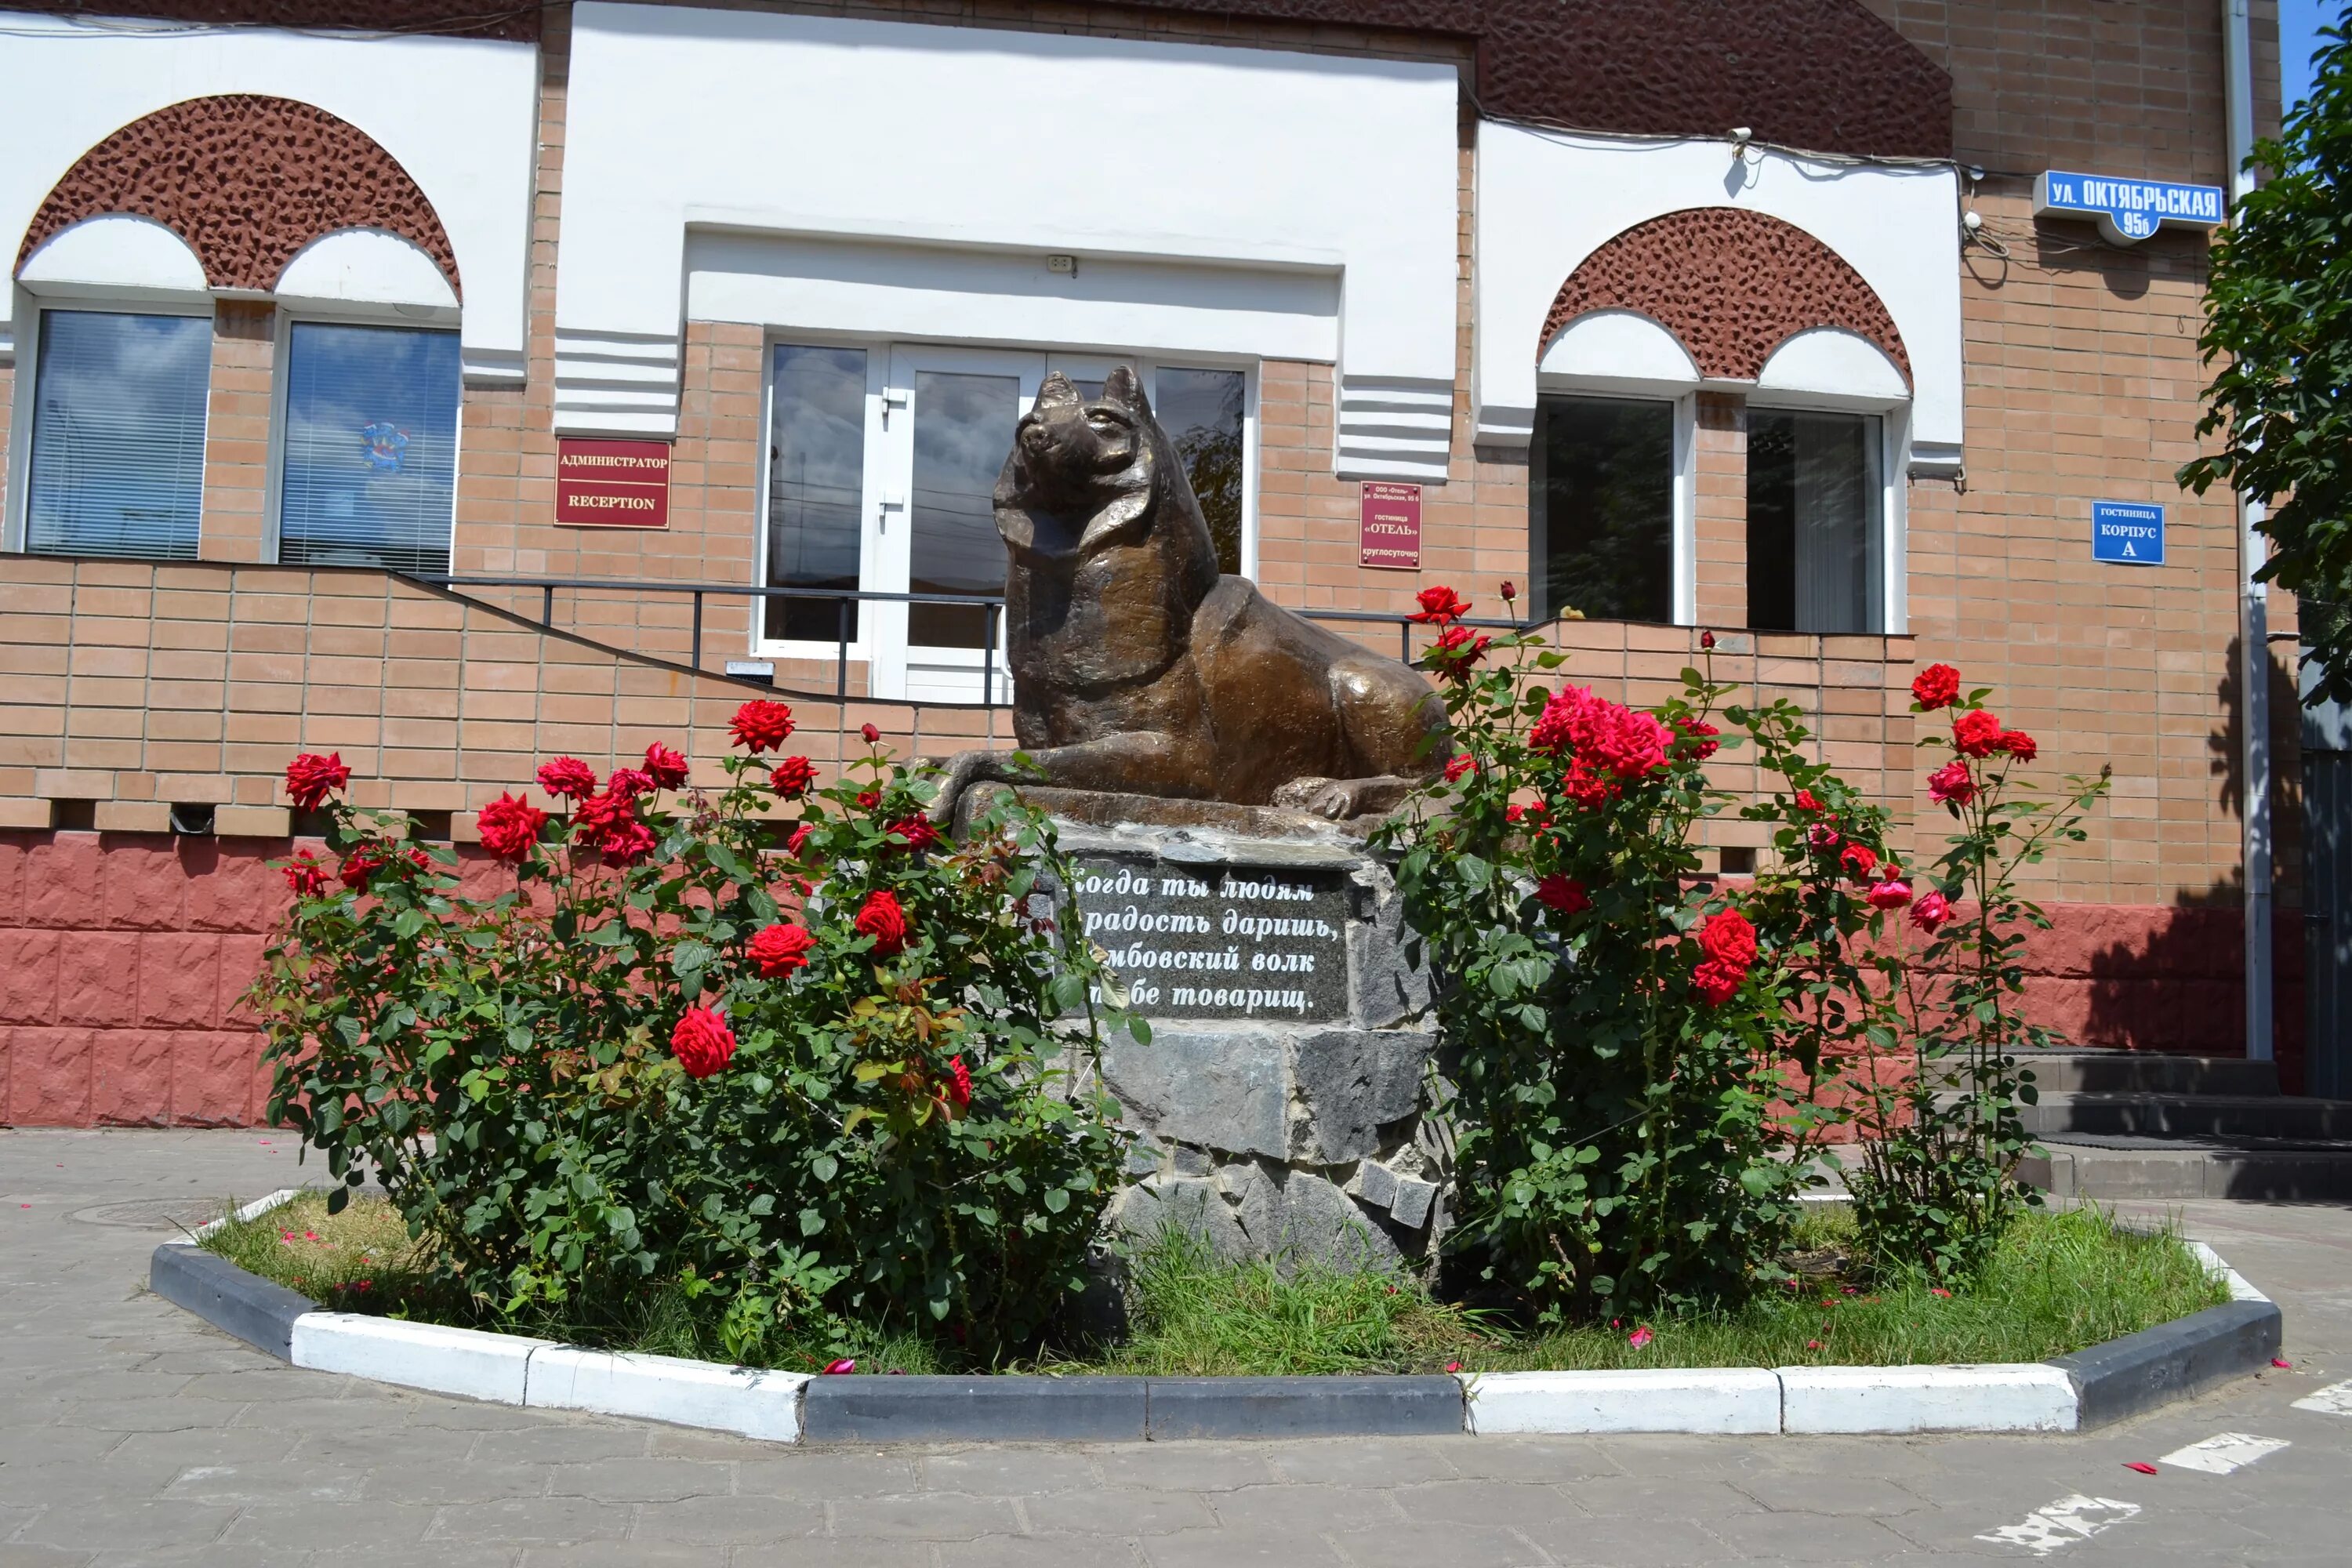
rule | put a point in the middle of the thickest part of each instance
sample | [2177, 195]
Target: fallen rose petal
[1812, 1344]
[2144, 1467]
[1640, 1337]
[1939, 1291]
[2282, 1364]
[846, 1363]
[1453, 1365]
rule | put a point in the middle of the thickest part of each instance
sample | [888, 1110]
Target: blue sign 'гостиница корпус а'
[2128, 531]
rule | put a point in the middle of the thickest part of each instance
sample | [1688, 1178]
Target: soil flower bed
[2059, 1281]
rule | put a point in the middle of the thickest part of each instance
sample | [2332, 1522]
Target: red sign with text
[1392, 527]
[612, 484]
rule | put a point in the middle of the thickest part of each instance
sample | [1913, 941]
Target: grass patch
[2059, 1281]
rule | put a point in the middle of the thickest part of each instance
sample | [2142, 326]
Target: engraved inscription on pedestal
[1220, 942]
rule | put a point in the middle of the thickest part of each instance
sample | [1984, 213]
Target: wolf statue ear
[1056, 390]
[1123, 385]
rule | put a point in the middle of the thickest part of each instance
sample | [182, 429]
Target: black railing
[846, 601]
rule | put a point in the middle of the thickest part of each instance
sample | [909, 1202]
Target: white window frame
[1083, 363]
[1894, 468]
[16, 525]
[282, 365]
[1683, 525]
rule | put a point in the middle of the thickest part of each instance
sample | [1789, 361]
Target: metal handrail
[993, 603]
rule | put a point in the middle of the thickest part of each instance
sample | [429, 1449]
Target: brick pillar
[237, 431]
[1721, 509]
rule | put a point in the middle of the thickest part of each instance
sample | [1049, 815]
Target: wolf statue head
[1085, 477]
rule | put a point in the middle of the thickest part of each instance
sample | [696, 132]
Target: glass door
[950, 416]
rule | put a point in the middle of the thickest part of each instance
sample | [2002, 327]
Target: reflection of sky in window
[370, 448]
[118, 457]
[817, 477]
[963, 432]
[1202, 412]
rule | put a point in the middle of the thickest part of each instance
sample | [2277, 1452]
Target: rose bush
[1643, 1067]
[848, 1082]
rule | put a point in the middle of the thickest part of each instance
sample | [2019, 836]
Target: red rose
[790, 776]
[1807, 801]
[1716, 983]
[1564, 893]
[1456, 650]
[666, 767]
[871, 733]
[1951, 785]
[1938, 686]
[359, 866]
[567, 778]
[311, 778]
[307, 875]
[779, 950]
[1889, 894]
[868, 799]
[915, 832]
[761, 725]
[625, 843]
[799, 840]
[1977, 733]
[1823, 838]
[1860, 858]
[510, 826]
[1932, 911]
[1698, 739]
[1727, 938]
[1535, 814]
[1510, 590]
[1706, 641]
[885, 921]
[2020, 745]
[1605, 736]
[1460, 762]
[959, 1084]
[1440, 606]
[702, 1042]
[627, 783]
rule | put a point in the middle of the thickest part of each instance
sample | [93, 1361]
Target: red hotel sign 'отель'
[1392, 526]
[612, 484]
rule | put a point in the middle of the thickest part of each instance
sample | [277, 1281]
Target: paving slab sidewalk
[132, 1433]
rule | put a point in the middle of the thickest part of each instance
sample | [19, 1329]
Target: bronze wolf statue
[1139, 668]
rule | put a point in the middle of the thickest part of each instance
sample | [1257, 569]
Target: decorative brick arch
[1731, 285]
[247, 182]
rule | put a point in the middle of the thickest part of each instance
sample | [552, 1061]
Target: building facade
[431, 383]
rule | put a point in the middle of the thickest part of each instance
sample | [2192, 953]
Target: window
[816, 480]
[1202, 412]
[964, 424]
[1600, 508]
[118, 443]
[1816, 505]
[371, 444]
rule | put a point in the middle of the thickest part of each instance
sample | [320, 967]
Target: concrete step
[2188, 1116]
[2147, 1072]
[2177, 1168]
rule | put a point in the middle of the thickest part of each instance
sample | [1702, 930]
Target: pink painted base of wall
[122, 957]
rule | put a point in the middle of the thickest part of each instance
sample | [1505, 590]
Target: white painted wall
[461, 115]
[1546, 200]
[118, 255]
[1265, 176]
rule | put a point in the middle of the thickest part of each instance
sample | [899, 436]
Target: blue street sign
[2128, 210]
[2128, 531]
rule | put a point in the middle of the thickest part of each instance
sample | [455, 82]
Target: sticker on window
[386, 444]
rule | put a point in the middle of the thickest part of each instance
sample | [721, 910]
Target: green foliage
[500, 1058]
[2278, 315]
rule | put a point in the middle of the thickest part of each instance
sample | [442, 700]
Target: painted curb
[2012, 1396]
[1745, 1400]
[492, 1367]
[2172, 1361]
[2088, 1388]
[259, 1311]
[1183, 1407]
[763, 1404]
[851, 1409]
